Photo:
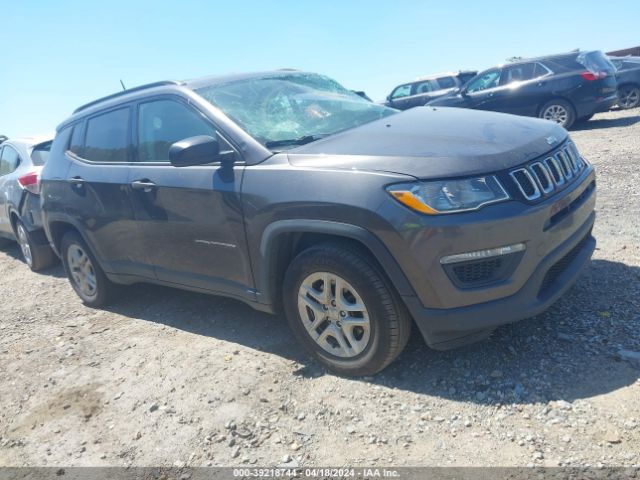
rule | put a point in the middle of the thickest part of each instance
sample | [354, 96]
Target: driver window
[161, 123]
[485, 81]
[401, 91]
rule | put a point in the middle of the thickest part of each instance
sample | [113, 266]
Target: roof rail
[125, 92]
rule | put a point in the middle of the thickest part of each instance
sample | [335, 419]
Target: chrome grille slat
[524, 187]
[567, 170]
[543, 178]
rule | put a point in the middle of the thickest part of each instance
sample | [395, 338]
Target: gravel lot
[166, 377]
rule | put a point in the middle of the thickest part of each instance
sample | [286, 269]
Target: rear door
[524, 88]
[190, 217]
[98, 192]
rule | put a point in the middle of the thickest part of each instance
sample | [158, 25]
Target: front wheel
[559, 111]
[85, 274]
[628, 96]
[344, 311]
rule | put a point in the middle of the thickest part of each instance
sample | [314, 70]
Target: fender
[50, 217]
[368, 239]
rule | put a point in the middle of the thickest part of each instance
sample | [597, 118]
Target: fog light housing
[482, 254]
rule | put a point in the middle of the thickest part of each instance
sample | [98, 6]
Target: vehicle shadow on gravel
[597, 123]
[566, 353]
[13, 250]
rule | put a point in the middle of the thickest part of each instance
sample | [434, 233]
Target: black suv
[287, 191]
[423, 90]
[628, 74]
[562, 88]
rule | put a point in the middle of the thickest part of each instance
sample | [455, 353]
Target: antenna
[122, 83]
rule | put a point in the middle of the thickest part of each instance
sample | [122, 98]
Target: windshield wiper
[296, 141]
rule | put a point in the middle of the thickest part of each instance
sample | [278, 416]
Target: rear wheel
[628, 96]
[559, 111]
[343, 310]
[37, 257]
[85, 274]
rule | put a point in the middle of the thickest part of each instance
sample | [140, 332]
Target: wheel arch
[556, 97]
[284, 239]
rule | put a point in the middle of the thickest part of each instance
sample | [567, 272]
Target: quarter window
[161, 123]
[107, 138]
[76, 140]
[9, 160]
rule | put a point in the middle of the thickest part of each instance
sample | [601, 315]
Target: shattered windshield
[288, 109]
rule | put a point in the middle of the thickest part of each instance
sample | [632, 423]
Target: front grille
[544, 178]
[560, 266]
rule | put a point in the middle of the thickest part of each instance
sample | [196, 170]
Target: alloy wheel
[82, 271]
[334, 314]
[23, 241]
[556, 113]
[629, 97]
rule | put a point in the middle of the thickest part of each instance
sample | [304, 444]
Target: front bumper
[557, 234]
[449, 328]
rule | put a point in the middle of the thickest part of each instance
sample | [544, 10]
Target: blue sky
[59, 54]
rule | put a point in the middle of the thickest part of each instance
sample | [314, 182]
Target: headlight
[449, 196]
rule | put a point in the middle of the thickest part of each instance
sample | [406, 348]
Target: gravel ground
[166, 377]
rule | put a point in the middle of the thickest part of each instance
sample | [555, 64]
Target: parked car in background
[563, 88]
[421, 91]
[3, 138]
[628, 74]
[21, 161]
[287, 191]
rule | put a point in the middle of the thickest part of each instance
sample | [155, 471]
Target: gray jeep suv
[289, 192]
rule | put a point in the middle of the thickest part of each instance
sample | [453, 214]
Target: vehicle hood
[428, 142]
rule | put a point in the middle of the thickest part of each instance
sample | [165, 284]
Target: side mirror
[463, 92]
[191, 151]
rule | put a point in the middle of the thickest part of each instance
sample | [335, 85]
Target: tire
[629, 96]
[384, 323]
[559, 111]
[37, 257]
[79, 263]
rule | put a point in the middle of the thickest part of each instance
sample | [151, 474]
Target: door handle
[76, 181]
[145, 185]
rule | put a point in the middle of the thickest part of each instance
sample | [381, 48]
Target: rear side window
[40, 154]
[423, 87]
[9, 160]
[161, 123]
[107, 137]
[446, 82]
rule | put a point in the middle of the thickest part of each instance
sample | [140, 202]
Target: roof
[194, 83]
[445, 74]
[29, 142]
[515, 60]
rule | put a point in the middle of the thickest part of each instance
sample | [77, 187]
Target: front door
[190, 217]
